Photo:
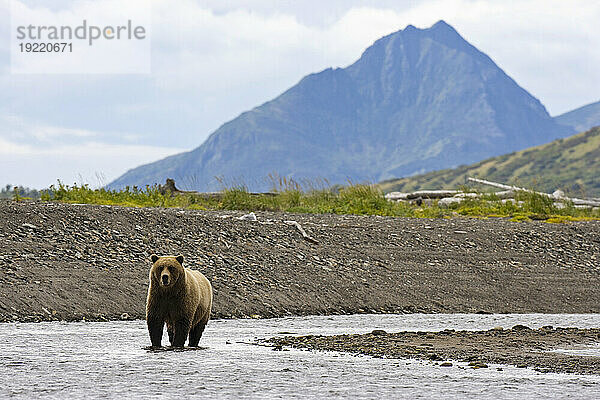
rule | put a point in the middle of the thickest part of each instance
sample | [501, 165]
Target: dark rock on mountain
[416, 100]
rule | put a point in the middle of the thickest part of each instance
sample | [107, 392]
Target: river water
[109, 360]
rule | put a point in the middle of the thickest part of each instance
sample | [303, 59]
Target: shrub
[362, 199]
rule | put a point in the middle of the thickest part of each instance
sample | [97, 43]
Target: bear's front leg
[182, 329]
[155, 329]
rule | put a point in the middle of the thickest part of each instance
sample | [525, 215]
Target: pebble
[520, 328]
[477, 364]
[378, 332]
[248, 217]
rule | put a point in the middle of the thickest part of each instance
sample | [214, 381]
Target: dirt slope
[69, 262]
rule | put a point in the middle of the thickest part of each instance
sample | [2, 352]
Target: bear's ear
[153, 258]
[179, 259]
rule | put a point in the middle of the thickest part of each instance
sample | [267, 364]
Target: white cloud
[8, 148]
[534, 41]
[227, 58]
[213, 60]
[94, 163]
[36, 155]
[18, 129]
[195, 47]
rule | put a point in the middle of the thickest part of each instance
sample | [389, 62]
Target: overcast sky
[213, 59]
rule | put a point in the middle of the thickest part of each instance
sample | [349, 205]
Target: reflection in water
[93, 360]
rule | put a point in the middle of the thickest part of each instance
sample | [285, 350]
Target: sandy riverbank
[69, 262]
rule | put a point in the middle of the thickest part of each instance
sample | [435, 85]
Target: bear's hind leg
[171, 332]
[196, 333]
[182, 329]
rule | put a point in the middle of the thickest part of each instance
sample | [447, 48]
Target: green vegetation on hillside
[571, 164]
[351, 199]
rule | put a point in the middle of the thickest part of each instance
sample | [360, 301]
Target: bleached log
[583, 202]
[395, 196]
[575, 201]
[467, 195]
[448, 201]
[505, 194]
[501, 185]
[432, 194]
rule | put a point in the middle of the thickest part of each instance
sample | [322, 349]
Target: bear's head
[167, 270]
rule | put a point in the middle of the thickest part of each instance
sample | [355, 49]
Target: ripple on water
[93, 360]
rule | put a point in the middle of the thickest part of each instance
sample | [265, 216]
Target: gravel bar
[72, 262]
[520, 346]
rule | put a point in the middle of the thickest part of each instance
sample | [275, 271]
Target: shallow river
[108, 360]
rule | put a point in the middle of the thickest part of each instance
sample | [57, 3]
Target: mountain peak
[405, 48]
[417, 100]
[442, 25]
[440, 32]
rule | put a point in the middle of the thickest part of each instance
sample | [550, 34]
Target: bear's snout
[165, 279]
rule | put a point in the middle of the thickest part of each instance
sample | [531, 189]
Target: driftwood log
[448, 197]
[422, 194]
[169, 187]
[558, 195]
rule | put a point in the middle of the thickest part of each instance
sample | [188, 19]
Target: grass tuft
[359, 199]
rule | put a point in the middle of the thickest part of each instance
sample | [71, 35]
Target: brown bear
[179, 297]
